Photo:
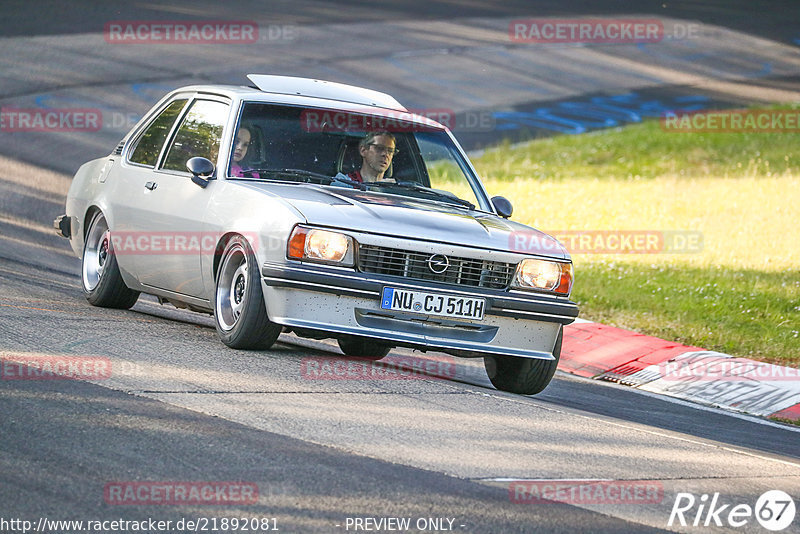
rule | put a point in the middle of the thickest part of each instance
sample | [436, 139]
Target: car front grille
[414, 265]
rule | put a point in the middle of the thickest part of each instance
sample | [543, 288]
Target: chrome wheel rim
[231, 292]
[96, 253]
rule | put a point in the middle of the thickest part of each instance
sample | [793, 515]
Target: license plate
[432, 303]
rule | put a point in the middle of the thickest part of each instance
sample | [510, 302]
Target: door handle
[150, 185]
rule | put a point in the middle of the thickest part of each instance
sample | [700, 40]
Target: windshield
[380, 155]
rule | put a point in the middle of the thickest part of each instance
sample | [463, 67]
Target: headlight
[545, 275]
[320, 245]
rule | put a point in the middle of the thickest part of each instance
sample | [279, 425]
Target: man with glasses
[377, 150]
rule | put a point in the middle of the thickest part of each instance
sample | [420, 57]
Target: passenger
[241, 144]
[377, 150]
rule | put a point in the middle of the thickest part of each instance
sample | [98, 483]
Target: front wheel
[239, 311]
[100, 278]
[525, 376]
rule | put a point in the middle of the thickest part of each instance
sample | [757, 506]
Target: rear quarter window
[148, 146]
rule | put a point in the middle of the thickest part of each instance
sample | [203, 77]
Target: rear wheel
[101, 281]
[239, 311]
[363, 347]
[525, 376]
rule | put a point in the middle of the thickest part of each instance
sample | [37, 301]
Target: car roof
[314, 93]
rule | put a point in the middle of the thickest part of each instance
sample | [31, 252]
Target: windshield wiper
[300, 175]
[346, 180]
[414, 186]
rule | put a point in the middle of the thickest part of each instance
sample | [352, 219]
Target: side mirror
[503, 206]
[201, 169]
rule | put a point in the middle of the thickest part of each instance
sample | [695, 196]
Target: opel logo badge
[438, 263]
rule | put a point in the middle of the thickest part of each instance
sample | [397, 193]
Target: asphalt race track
[442, 450]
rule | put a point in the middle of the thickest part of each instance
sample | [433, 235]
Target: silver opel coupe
[323, 209]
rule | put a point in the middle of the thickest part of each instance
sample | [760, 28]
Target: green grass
[743, 312]
[740, 294]
[785, 420]
[646, 151]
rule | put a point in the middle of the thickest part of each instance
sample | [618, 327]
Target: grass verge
[795, 422]
[739, 294]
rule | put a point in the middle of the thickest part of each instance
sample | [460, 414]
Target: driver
[377, 150]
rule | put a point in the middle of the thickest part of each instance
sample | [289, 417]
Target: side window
[199, 135]
[149, 144]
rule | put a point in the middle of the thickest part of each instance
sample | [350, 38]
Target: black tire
[524, 376]
[100, 278]
[239, 311]
[363, 347]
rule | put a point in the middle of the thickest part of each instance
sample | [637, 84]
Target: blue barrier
[149, 92]
[573, 117]
[597, 112]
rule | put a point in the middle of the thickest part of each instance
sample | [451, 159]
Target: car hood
[370, 212]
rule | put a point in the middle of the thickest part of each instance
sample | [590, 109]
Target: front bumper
[63, 226]
[341, 301]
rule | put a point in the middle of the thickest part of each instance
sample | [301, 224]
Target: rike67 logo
[774, 510]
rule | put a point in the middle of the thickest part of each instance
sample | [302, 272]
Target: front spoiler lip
[351, 283]
[448, 346]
